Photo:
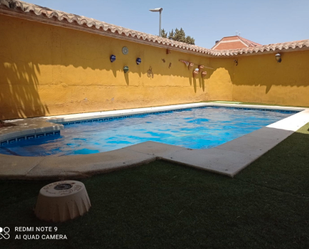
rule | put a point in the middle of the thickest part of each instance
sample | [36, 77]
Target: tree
[171, 35]
[178, 35]
[163, 33]
[190, 40]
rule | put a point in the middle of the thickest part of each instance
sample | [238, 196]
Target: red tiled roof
[294, 45]
[234, 42]
[249, 43]
[41, 14]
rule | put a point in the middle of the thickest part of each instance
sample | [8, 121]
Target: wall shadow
[284, 167]
[194, 84]
[61, 53]
[19, 91]
[127, 79]
[202, 83]
[56, 47]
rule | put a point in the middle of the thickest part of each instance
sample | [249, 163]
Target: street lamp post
[158, 10]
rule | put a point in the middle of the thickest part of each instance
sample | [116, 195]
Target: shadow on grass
[164, 205]
[285, 167]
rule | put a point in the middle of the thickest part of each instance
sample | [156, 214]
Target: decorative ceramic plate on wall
[125, 50]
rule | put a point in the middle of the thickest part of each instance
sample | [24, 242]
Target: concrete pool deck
[227, 159]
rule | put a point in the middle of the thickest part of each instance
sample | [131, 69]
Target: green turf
[164, 205]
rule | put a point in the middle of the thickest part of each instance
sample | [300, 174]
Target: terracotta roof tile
[234, 42]
[248, 42]
[46, 15]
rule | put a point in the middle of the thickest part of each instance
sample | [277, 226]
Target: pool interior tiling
[227, 159]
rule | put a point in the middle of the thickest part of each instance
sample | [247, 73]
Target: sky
[261, 21]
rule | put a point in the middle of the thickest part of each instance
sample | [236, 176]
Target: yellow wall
[261, 79]
[219, 84]
[47, 70]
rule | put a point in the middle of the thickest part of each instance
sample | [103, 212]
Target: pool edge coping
[227, 159]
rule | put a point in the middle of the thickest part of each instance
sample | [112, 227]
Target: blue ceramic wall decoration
[138, 61]
[112, 58]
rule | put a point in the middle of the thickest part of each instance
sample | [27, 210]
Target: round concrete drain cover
[62, 201]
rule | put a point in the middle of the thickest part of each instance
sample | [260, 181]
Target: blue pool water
[196, 128]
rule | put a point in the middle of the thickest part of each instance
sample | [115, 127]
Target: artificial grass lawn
[164, 205]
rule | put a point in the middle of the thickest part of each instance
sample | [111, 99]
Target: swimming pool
[195, 128]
